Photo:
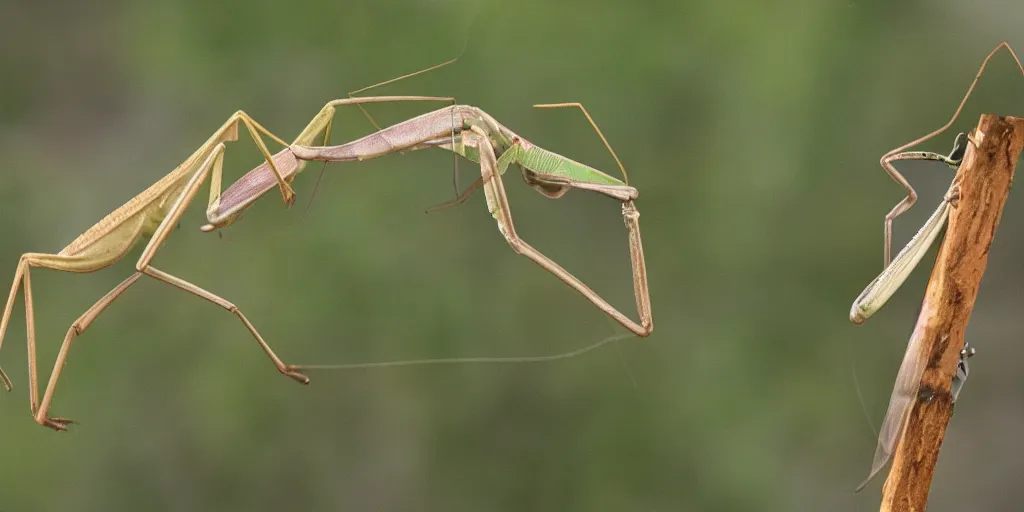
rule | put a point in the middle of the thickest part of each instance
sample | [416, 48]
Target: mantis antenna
[622, 168]
[366, 114]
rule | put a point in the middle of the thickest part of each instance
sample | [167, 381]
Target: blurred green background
[752, 130]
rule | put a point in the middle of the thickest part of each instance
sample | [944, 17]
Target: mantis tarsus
[152, 214]
[473, 134]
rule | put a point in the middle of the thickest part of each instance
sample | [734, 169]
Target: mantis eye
[959, 147]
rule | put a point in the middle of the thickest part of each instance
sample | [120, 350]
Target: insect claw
[58, 424]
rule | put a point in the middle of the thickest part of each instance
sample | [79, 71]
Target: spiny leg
[638, 263]
[254, 128]
[497, 204]
[229, 132]
[214, 163]
[625, 177]
[908, 201]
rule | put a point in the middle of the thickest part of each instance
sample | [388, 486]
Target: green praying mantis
[155, 213]
[896, 271]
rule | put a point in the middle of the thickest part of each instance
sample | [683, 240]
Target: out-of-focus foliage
[753, 131]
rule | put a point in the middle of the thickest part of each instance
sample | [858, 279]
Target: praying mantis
[155, 212]
[897, 270]
[473, 134]
[152, 214]
[878, 292]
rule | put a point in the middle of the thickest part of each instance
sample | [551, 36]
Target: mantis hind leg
[255, 129]
[40, 410]
[23, 277]
[229, 132]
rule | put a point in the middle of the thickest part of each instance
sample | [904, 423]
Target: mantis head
[959, 148]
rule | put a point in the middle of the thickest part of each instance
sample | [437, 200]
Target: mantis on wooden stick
[472, 134]
[152, 214]
[897, 270]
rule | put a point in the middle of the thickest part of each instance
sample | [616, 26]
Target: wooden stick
[984, 181]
